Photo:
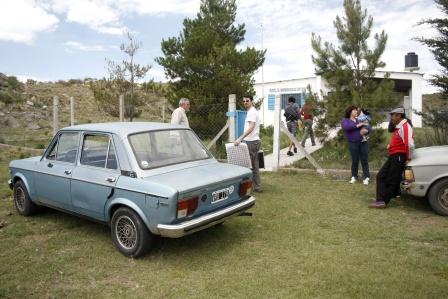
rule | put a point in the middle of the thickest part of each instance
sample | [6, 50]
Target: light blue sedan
[142, 179]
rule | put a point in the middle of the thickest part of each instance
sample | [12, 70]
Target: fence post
[232, 117]
[276, 140]
[55, 114]
[121, 105]
[72, 111]
[163, 111]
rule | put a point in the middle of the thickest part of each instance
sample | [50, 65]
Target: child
[364, 116]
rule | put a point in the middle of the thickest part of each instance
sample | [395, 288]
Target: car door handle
[111, 179]
[68, 171]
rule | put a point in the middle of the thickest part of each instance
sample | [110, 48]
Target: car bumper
[10, 184]
[414, 188]
[203, 222]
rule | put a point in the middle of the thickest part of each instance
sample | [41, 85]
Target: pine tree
[438, 118]
[439, 47]
[349, 68]
[204, 65]
[122, 81]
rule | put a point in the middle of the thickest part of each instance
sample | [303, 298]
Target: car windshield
[160, 148]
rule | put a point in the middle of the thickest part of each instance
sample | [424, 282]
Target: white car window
[161, 148]
[66, 148]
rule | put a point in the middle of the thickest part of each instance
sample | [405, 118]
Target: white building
[407, 83]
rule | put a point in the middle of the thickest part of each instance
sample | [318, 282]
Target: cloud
[158, 7]
[22, 20]
[72, 45]
[106, 16]
[100, 16]
[288, 25]
[23, 78]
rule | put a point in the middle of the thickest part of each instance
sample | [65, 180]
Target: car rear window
[161, 148]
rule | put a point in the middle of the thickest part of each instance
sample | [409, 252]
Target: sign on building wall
[271, 102]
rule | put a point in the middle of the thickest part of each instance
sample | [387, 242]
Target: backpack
[291, 113]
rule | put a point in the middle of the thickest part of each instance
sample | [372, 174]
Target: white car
[426, 175]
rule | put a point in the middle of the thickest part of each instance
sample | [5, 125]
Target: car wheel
[438, 197]
[22, 200]
[129, 233]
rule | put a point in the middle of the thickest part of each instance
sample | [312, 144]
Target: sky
[50, 40]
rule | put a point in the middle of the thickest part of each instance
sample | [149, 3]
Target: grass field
[309, 237]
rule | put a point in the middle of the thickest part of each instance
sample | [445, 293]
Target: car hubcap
[126, 232]
[20, 198]
[444, 197]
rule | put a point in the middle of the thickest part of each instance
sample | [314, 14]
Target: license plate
[220, 195]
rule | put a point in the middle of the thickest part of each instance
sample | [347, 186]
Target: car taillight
[187, 206]
[245, 188]
[409, 175]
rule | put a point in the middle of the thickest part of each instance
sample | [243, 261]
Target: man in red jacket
[400, 147]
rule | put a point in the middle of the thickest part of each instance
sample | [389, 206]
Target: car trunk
[214, 185]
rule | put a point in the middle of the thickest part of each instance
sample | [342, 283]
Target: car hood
[24, 162]
[198, 176]
[434, 155]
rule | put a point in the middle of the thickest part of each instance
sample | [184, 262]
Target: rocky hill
[26, 112]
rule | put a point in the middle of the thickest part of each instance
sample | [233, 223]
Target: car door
[54, 171]
[94, 178]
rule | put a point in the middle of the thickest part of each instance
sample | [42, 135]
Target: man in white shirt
[251, 137]
[179, 116]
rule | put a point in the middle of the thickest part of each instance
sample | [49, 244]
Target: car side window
[111, 158]
[66, 148]
[98, 151]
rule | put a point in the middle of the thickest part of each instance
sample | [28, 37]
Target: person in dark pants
[358, 150]
[292, 116]
[251, 136]
[399, 148]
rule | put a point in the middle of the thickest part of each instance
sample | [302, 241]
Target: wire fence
[206, 120]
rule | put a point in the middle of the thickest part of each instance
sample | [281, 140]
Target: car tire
[22, 200]
[129, 234]
[438, 197]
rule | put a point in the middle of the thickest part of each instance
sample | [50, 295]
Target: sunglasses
[246, 101]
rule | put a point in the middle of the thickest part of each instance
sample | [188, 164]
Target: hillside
[28, 120]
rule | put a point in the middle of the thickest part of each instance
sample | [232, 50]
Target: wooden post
[276, 140]
[310, 158]
[72, 111]
[121, 105]
[232, 117]
[163, 111]
[55, 115]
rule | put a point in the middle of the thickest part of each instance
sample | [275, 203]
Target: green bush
[6, 98]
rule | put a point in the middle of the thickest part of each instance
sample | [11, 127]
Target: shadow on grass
[201, 241]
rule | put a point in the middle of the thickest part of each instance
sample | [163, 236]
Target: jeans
[254, 147]
[308, 124]
[359, 151]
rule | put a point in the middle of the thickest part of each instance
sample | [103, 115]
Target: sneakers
[295, 150]
[378, 205]
[353, 180]
[289, 153]
[366, 181]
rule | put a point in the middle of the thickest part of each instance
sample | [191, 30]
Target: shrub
[6, 98]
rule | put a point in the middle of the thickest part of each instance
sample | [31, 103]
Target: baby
[364, 116]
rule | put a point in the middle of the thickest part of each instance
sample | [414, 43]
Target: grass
[309, 237]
